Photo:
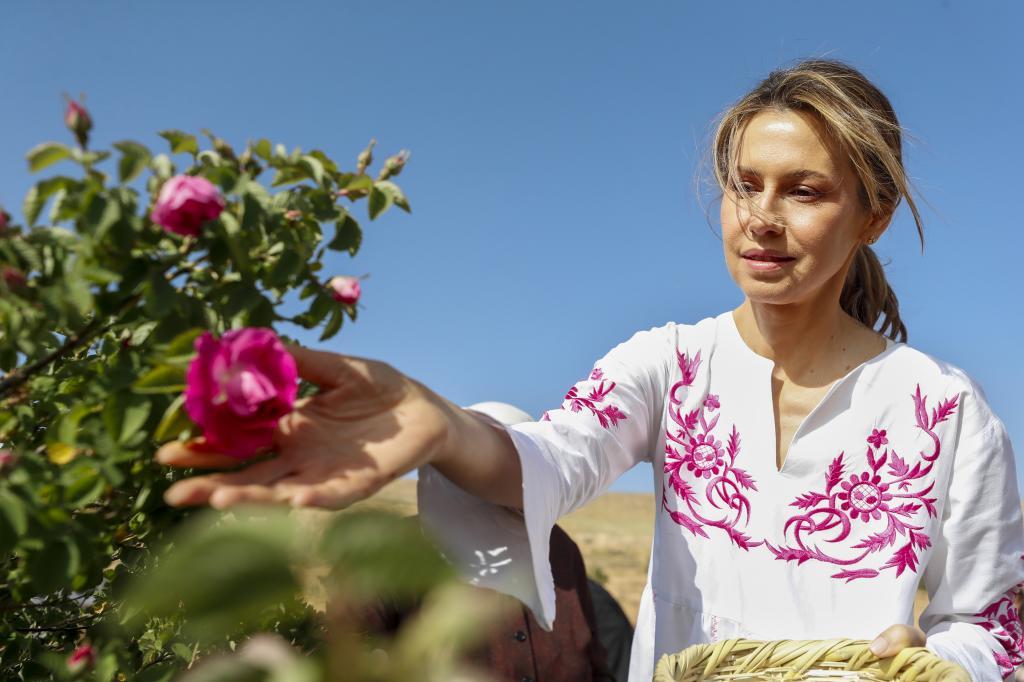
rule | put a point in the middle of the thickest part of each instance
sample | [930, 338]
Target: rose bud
[393, 165]
[5, 220]
[345, 289]
[185, 203]
[365, 158]
[293, 214]
[238, 387]
[78, 121]
[13, 277]
[83, 657]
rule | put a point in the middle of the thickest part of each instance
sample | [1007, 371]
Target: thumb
[323, 368]
[895, 639]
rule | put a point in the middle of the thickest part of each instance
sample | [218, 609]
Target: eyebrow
[801, 174]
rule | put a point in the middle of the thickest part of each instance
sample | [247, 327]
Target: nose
[759, 219]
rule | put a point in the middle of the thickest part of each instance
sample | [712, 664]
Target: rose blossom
[82, 657]
[345, 289]
[238, 387]
[185, 203]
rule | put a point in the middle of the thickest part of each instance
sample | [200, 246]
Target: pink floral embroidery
[704, 459]
[608, 415]
[877, 438]
[1002, 620]
[939, 415]
[869, 496]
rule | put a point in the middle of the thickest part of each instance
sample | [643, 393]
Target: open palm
[368, 425]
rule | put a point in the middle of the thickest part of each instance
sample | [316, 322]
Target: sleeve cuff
[493, 546]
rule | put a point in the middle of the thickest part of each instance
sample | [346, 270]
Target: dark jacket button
[520, 636]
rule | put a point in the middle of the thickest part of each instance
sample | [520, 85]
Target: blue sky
[554, 146]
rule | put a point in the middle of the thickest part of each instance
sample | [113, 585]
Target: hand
[368, 425]
[895, 639]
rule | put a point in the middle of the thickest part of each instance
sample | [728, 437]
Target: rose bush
[119, 269]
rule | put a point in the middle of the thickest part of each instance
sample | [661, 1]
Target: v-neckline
[769, 365]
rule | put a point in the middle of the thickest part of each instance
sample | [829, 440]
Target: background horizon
[554, 149]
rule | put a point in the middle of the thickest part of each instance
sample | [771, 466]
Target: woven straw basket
[828, 659]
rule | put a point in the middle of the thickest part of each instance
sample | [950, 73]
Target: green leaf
[184, 652]
[182, 346]
[134, 159]
[181, 141]
[46, 154]
[284, 269]
[235, 239]
[289, 174]
[159, 295]
[314, 167]
[375, 553]
[37, 195]
[174, 422]
[263, 149]
[124, 414]
[67, 424]
[333, 324]
[380, 201]
[162, 379]
[13, 521]
[347, 235]
[54, 566]
[83, 483]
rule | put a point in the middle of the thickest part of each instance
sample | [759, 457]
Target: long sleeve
[976, 565]
[606, 423]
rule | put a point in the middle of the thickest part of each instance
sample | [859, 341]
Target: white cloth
[901, 472]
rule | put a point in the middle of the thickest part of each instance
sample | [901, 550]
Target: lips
[766, 255]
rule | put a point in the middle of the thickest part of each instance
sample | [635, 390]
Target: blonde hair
[861, 121]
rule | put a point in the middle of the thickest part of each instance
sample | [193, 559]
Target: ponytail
[867, 296]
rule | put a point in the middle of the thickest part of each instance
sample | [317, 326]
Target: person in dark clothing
[613, 629]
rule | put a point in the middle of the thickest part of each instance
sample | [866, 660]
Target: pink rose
[238, 387]
[185, 203]
[78, 121]
[82, 657]
[292, 214]
[345, 289]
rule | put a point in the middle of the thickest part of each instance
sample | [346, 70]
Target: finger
[201, 489]
[229, 496]
[178, 454]
[895, 639]
[323, 368]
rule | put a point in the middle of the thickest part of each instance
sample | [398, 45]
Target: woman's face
[800, 246]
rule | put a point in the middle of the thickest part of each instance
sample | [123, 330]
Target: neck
[806, 339]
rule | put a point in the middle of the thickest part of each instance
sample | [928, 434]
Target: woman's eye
[806, 193]
[746, 188]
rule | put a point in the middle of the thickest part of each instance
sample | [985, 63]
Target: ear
[876, 227]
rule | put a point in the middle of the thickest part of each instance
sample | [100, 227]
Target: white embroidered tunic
[901, 473]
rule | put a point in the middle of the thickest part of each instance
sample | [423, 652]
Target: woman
[809, 470]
